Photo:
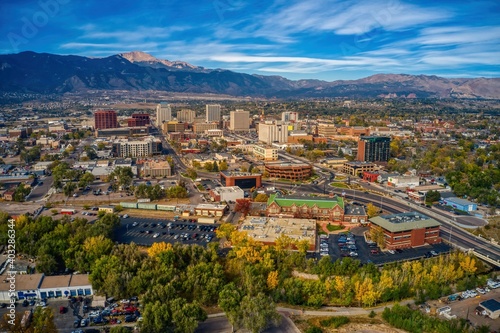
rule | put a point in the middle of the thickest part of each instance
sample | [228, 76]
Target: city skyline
[326, 40]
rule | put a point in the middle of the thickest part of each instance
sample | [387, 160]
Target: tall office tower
[186, 116]
[374, 148]
[105, 119]
[213, 113]
[239, 120]
[270, 132]
[289, 116]
[163, 113]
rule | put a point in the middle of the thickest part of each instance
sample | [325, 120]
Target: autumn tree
[243, 206]
[261, 197]
[372, 210]
[377, 235]
[158, 248]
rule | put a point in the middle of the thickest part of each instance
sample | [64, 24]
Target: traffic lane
[41, 190]
[144, 235]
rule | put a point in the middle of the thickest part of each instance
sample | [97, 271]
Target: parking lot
[148, 231]
[466, 309]
[354, 245]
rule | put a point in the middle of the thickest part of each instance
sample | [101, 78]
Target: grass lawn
[339, 185]
[332, 227]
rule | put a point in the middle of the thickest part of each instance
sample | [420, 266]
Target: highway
[450, 232]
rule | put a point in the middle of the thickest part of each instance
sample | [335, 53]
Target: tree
[43, 321]
[255, 170]
[372, 210]
[261, 197]
[258, 313]
[69, 188]
[230, 301]
[123, 176]
[158, 248]
[191, 173]
[119, 329]
[243, 206]
[377, 235]
[223, 165]
[432, 196]
[86, 179]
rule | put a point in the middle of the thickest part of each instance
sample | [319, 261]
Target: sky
[315, 39]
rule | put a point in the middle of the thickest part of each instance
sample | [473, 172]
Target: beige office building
[163, 113]
[271, 131]
[186, 116]
[201, 128]
[239, 120]
[212, 113]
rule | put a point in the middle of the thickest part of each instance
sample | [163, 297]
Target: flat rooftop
[79, 280]
[210, 206]
[491, 305]
[23, 282]
[227, 189]
[239, 174]
[267, 229]
[404, 221]
[56, 281]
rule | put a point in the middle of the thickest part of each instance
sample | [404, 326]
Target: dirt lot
[461, 308]
[358, 324]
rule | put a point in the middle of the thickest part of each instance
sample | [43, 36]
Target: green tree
[119, 329]
[230, 301]
[223, 165]
[261, 197]
[121, 177]
[258, 313]
[43, 321]
[86, 179]
[432, 196]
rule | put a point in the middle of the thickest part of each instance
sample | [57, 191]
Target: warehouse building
[229, 193]
[242, 179]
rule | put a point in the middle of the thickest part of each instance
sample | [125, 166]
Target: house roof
[404, 221]
[491, 305]
[289, 201]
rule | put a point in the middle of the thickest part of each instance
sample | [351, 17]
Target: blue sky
[315, 39]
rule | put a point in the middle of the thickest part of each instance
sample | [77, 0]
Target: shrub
[334, 322]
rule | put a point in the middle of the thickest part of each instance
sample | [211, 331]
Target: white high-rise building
[271, 131]
[163, 113]
[289, 116]
[239, 120]
[212, 113]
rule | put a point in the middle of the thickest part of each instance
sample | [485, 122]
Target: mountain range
[30, 72]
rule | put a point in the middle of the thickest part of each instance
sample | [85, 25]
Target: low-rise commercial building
[153, 168]
[202, 128]
[356, 168]
[265, 153]
[331, 209]
[460, 204]
[267, 229]
[403, 181]
[407, 230]
[244, 180]
[211, 210]
[228, 193]
[291, 171]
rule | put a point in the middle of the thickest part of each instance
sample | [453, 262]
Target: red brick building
[370, 176]
[407, 230]
[241, 179]
[291, 171]
[105, 119]
[138, 119]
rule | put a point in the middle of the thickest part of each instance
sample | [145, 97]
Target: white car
[125, 216]
[156, 235]
[391, 251]
[135, 224]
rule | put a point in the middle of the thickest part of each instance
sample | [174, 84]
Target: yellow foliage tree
[283, 242]
[468, 264]
[272, 280]
[372, 210]
[158, 248]
[303, 246]
[225, 230]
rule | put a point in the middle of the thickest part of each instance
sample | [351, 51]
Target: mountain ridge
[50, 73]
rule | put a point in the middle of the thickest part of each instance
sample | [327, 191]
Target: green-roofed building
[407, 230]
[331, 209]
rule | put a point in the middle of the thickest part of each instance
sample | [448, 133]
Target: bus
[67, 211]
